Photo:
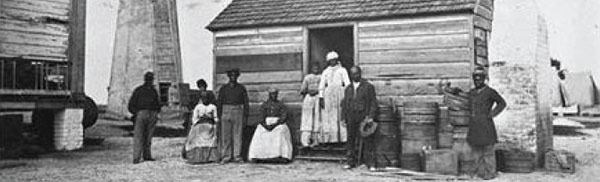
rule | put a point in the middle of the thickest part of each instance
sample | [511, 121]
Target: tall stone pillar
[520, 71]
[147, 39]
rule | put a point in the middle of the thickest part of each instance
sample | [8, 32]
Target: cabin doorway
[323, 40]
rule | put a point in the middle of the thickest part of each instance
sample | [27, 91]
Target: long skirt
[333, 131]
[271, 144]
[201, 144]
[311, 121]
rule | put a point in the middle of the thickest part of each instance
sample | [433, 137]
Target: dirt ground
[111, 161]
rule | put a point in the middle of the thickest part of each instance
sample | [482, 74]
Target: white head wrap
[331, 55]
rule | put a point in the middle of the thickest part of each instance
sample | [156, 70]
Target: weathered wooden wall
[406, 58]
[266, 57]
[34, 28]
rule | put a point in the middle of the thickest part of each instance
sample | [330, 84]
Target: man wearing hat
[482, 132]
[233, 109]
[144, 105]
[358, 106]
[272, 140]
[331, 92]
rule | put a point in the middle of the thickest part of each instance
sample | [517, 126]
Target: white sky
[574, 38]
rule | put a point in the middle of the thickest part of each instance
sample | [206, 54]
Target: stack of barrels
[386, 138]
[459, 116]
[419, 130]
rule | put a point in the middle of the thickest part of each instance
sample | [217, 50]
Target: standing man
[359, 104]
[482, 132]
[233, 109]
[144, 106]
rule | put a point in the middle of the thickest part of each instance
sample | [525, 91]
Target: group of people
[335, 104]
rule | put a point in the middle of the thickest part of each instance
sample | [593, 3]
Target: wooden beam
[76, 51]
[445, 55]
[415, 42]
[34, 28]
[417, 71]
[484, 12]
[263, 87]
[20, 49]
[258, 63]
[488, 4]
[33, 39]
[263, 77]
[261, 39]
[421, 28]
[481, 22]
[398, 100]
[408, 87]
[284, 95]
[257, 49]
[22, 10]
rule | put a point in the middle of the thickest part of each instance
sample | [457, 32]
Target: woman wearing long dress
[272, 140]
[333, 82]
[201, 143]
[311, 112]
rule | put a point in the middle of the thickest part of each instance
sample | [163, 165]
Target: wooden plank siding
[37, 28]
[268, 57]
[35, 9]
[260, 63]
[406, 58]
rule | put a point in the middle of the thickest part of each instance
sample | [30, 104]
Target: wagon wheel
[90, 109]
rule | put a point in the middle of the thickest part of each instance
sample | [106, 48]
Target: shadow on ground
[160, 131]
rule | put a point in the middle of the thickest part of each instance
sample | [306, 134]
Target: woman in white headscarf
[334, 80]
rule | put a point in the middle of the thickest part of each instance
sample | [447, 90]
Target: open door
[324, 40]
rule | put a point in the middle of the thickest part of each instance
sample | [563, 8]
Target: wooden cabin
[42, 61]
[404, 46]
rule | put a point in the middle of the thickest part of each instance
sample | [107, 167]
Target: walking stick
[360, 150]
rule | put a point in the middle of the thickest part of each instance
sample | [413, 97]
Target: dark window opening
[17, 73]
[163, 91]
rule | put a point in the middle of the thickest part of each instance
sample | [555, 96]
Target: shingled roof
[253, 13]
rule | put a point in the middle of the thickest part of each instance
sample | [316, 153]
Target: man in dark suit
[359, 104]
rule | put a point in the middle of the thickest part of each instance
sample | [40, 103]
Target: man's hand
[313, 93]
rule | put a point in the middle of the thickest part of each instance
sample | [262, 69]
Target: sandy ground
[111, 161]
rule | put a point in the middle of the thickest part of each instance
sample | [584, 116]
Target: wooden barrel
[419, 126]
[411, 162]
[516, 161]
[385, 113]
[386, 145]
[459, 118]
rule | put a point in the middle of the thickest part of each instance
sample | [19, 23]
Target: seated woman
[201, 143]
[272, 141]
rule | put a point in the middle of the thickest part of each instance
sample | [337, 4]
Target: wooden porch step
[321, 158]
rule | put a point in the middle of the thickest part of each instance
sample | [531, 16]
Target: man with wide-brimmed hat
[233, 110]
[358, 106]
[482, 132]
[144, 105]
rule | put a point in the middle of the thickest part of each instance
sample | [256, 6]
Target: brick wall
[68, 130]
